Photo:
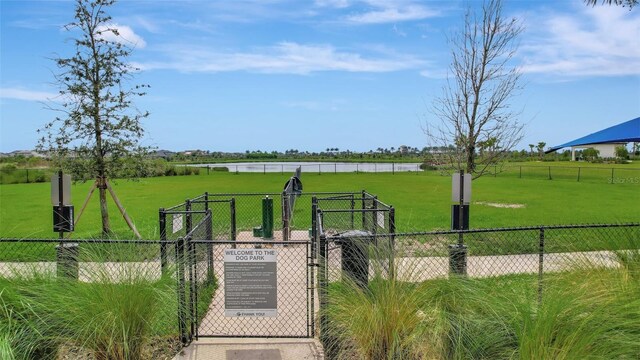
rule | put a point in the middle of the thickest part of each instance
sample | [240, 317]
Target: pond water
[313, 167]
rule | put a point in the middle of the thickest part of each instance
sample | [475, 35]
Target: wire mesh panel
[293, 278]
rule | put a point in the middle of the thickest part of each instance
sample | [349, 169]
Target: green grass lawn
[422, 201]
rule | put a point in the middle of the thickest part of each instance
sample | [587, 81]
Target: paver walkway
[252, 349]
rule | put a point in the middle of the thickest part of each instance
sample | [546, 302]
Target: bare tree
[97, 134]
[474, 107]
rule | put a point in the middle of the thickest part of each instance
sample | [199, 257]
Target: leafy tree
[622, 152]
[98, 132]
[590, 154]
[474, 106]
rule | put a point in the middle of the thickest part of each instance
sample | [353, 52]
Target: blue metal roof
[628, 131]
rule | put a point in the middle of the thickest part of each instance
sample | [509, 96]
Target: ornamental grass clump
[112, 311]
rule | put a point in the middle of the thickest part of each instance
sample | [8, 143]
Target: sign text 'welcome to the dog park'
[250, 282]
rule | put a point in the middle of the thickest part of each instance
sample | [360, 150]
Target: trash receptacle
[355, 256]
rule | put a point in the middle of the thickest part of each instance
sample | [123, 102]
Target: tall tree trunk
[104, 213]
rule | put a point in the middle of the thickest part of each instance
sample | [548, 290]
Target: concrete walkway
[252, 349]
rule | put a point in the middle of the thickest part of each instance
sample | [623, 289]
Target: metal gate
[294, 274]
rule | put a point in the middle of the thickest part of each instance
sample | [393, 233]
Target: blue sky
[277, 74]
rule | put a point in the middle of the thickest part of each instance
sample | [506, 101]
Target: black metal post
[193, 293]
[612, 169]
[461, 212]
[232, 205]
[549, 172]
[353, 215]
[314, 225]
[181, 290]
[310, 313]
[364, 206]
[323, 282]
[392, 242]
[285, 216]
[60, 205]
[540, 264]
[188, 223]
[578, 173]
[374, 219]
[27, 175]
[210, 273]
[206, 200]
[520, 172]
[162, 217]
[393, 168]
[458, 252]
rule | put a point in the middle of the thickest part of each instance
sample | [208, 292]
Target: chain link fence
[593, 174]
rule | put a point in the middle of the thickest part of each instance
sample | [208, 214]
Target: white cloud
[27, 95]
[283, 58]
[600, 41]
[393, 14]
[125, 36]
[333, 3]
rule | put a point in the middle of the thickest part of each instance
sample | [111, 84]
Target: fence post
[549, 172]
[210, 247]
[232, 205]
[392, 242]
[374, 219]
[364, 206]
[353, 206]
[314, 224]
[285, 216]
[163, 237]
[182, 301]
[612, 169]
[335, 168]
[193, 289]
[188, 223]
[206, 200]
[578, 173]
[319, 169]
[393, 168]
[520, 171]
[264, 169]
[322, 285]
[540, 264]
[27, 175]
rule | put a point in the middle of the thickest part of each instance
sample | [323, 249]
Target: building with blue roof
[606, 140]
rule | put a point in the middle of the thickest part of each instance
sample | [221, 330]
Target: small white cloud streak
[393, 14]
[600, 41]
[283, 58]
[126, 35]
[26, 95]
